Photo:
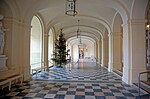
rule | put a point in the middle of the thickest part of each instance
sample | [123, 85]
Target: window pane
[36, 43]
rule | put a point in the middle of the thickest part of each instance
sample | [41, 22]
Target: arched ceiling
[87, 41]
[95, 16]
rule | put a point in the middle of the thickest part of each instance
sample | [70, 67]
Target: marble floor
[84, 80]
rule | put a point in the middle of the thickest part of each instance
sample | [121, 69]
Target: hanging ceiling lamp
[78, 31]
[80, 40]
[79, 36]
[81, 45]
[71, 7]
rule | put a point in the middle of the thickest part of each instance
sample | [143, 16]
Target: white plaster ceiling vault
[96, 16]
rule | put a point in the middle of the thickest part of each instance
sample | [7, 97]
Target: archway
[36, 39]
[117, 45]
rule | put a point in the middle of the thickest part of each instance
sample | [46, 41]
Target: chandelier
[80, 44]
[71, 7]
[80, 40]
[78, 31]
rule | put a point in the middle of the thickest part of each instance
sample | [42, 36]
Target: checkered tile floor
[81, 72]
[79, 83]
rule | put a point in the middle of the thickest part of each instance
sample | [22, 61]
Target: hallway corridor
[80, 72]
[84, 80]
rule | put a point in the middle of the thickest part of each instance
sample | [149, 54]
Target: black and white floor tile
[75, 83]
[74, 90]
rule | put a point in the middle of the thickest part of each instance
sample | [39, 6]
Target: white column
[72, 52]
[25, 52]
[110, 63]
[45, 48]
[95, 50]
[103, 52]
[99, 52]
[126, 58]
[134, 52]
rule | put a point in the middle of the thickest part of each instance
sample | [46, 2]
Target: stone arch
[36, 43]
[117, 23]
[61, 18]
[5, 9]
[117, 43]
[134, 42]
[135, 9]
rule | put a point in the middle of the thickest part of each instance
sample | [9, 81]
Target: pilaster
[110, 63]
[24, 57]
[45, 48]
[17, 48]
[99, 52]
[134, 56]
[103, 51]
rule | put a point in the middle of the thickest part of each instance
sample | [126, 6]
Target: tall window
[36, 43]
[50, 46]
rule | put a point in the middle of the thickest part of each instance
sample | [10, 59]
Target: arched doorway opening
[36, 42]
[118, 45]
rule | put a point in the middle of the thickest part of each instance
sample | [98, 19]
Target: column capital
[117, 34]
[46, 35]
[19, 22]
[137, 21]
[103, 38]
[110, 34]
[134, 21]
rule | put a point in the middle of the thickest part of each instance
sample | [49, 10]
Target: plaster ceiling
[95, 16]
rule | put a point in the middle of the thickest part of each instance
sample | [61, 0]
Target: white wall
[75, 52]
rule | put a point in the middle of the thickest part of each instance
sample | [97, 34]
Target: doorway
[81, 53]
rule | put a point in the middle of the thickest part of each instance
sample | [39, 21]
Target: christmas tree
[59, 55]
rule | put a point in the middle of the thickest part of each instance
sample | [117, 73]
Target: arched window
[36, 43]
[50, 46]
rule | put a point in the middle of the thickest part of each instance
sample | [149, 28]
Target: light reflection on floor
[84, 80]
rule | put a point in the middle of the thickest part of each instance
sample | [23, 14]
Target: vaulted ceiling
[96, 16]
